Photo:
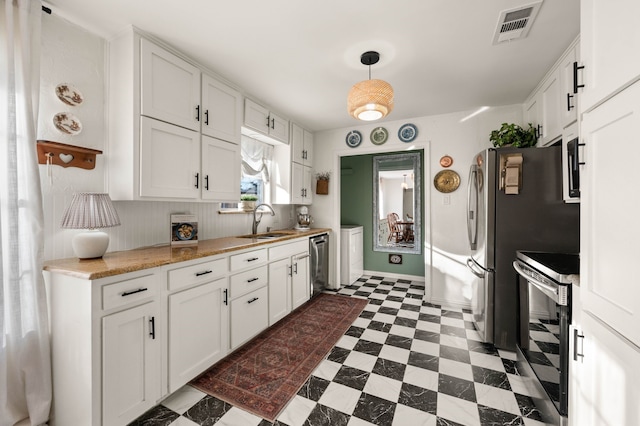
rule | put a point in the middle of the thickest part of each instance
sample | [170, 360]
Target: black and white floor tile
[403, 362]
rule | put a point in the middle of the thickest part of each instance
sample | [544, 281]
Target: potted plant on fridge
[514, 135]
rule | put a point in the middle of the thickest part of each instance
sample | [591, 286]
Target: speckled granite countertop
[121, 262]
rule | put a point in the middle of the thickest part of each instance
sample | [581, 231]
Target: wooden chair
[395, 230]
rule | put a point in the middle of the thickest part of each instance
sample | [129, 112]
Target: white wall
[446, 247]
[72, 55]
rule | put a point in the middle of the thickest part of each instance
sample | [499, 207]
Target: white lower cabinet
[607, 378]
[300, 281]
[249, 316]
[130, 364]
[289, 277]
[198, 330]
[279, 290]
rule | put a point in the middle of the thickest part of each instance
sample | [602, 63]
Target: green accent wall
[356, 208]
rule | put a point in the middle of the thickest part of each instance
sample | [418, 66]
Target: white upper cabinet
[170, 87]
[569, 90]
[610, 42]
[265, 122]
[220, 170]
[550, 94]
[221, 110]
[301, 145]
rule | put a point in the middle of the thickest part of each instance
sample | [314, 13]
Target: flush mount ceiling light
[370, 100]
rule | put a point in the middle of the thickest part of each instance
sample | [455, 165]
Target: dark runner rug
[265, 373]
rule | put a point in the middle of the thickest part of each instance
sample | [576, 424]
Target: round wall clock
[446, 181]
[354, 138]
[379, 135]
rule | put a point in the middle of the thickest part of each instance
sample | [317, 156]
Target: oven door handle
[549, 290]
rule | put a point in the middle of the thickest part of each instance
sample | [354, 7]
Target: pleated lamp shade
[370, 100]
[90, 211]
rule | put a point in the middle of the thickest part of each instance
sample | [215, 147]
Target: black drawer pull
[129, 293]
[253, 259]
[199, 274]
[152, 327]
[252, 280]
[226, 297]
[253, 300]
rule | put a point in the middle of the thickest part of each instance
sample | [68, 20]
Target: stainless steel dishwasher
[319, 267]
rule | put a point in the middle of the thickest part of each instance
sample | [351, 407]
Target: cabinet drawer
[248, 259]
[196, 274]
[247, 281]
[129, 291]
[288, 250]
[249, 316]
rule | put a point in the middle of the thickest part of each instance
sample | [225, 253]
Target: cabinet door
[198, 331]
[220, 170]
[297, 143]
[301, 281]
[256, 116]
[308, 148]
[222, 110]
[609, 212]
[169, 160]
[569, 99]
[607, 379]
[278, 128]
[249, 316]
[279, 290]
[297, 183]
[170, 87]
[531, 114]
[610, 40]
[130, 364]
[550, 109]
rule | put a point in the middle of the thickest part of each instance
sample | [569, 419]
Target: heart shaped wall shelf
[66, 155]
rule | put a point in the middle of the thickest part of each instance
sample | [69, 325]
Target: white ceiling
[301, 57]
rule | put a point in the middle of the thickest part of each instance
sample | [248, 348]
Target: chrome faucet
[256, 222]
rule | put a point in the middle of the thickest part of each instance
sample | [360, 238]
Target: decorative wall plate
[446, 161]
[69, 94]
[67, 123]
[446, 181]
[379, 135]
[354, 138]
[407, 132]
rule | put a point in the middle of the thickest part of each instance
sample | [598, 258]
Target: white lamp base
[90, 244]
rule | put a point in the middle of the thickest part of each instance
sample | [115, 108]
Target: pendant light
[370, 99]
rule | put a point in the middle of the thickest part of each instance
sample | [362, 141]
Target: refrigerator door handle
[472, 208]
[471, 264]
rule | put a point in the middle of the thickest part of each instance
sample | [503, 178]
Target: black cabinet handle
[268, 119]
[295, 268]
[290, 270]
[252, 280]
[580, 163]
[576, 86]
[226, 297]
[206, 117]
[198, 113]
[199, 274]
[539, 129]
[197, 180]
[253, 259]
[273, 123]
[206, 182]
[152, 327]
[252, 300]
[129, 293]
[569, 106]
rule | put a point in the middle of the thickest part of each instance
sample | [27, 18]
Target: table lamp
[90, 211]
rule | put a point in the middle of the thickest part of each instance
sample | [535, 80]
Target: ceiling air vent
[514, 24]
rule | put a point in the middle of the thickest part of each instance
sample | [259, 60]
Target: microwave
[573, 168]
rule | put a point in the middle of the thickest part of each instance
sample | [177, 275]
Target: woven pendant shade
[370, 99]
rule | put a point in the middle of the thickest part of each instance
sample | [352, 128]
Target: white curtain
[256, 158]
[25, 362]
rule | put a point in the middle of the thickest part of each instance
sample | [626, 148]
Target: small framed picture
[395, 259]
[184, 230]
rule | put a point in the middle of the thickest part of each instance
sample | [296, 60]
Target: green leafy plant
[323, 175]
[514, 135]
[248, 197]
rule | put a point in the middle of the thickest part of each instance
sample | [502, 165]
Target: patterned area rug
[264, 374]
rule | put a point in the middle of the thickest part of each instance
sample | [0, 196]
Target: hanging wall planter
[322, 183]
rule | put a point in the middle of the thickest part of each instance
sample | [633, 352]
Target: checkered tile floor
[403, 362]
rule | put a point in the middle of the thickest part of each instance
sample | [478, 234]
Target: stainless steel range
[545, 316]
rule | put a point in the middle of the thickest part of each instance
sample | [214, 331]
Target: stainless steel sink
[267, 236]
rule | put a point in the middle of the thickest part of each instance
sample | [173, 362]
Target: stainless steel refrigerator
[499, 224]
